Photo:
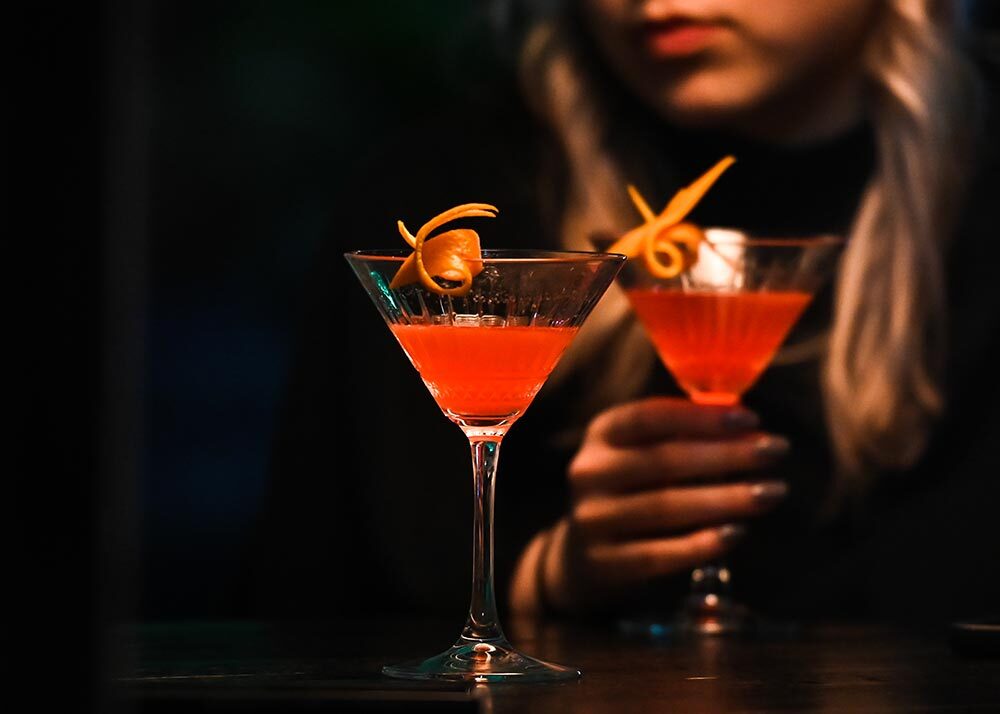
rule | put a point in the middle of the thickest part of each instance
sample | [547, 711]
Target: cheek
[791, 39]
[799, 25]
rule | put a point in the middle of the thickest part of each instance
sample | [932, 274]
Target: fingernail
[740, 420]
[768, 493]
[731, 533]
[769, 447]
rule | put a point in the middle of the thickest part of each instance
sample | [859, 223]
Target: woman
[861, 445]
[884, 82]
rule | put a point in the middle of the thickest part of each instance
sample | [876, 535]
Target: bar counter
[335, 666]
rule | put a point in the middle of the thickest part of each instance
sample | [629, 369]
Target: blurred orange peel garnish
[663, 236]
[454, 255]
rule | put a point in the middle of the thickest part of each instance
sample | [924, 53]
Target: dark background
[260, 113]
[170, 170]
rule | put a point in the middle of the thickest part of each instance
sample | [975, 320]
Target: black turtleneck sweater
[370, 503]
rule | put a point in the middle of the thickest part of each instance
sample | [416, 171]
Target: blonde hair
[882, 370]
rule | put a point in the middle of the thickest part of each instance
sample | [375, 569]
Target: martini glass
[483, 357]
[716, 326]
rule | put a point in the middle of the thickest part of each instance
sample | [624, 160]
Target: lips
[679, 36]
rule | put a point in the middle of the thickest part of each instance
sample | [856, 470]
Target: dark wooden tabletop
[335, 667]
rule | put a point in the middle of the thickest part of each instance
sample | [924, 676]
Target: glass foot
[724, 622]
[675, 630]
[684, 626]
[712, 614]
[708, 610]
[482, 661]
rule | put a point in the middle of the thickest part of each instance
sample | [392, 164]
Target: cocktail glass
[716, 326]
[484, 356]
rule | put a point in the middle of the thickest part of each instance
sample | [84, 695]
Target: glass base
[675, 630]
[709, 610]
[734, 621]
[713, 614]
[482, 661]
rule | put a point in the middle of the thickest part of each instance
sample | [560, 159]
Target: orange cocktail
[483, 372]
[716, 344]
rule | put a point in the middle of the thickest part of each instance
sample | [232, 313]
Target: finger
[607, 469]
[658, 418]
[669, 510]
[636, 561]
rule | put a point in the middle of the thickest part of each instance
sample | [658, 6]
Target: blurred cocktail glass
[716, 326]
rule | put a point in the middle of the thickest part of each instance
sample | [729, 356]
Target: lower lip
[680, 41]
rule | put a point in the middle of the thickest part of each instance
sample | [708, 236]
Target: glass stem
[482, 623]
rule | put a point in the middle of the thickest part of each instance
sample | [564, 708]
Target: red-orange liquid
[483, 372]
[717, 344]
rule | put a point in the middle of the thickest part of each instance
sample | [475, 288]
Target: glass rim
[498, 255]
[734, 236]
[724, 235]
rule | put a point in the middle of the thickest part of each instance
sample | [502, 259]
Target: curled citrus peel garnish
[446, 255]
[665, 235]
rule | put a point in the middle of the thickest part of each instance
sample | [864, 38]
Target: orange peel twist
[454, 255]
[666, 235]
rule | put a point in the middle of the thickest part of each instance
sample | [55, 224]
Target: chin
[709, 102]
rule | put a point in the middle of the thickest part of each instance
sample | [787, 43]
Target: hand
[647, 500]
